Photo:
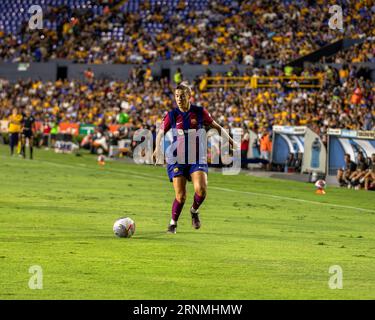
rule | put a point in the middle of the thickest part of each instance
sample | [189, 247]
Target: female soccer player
[183, 118]
[28, 129]
[14, 129]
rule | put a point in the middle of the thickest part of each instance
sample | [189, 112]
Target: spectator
[244, 148]
[89, 75]
[359, 173]
[46, 133]
[343, 74]
[265, 147]
[343, 175]
[15, 125]
[178, 77]
[290, 163]
[369, 178]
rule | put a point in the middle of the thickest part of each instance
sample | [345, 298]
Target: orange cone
[101, 160]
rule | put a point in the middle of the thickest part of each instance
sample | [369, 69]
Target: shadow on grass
[159, 235]
[164, 236]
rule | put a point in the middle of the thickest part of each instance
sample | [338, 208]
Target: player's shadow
[158, 236]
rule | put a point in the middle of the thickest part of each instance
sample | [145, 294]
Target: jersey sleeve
[166, 124]
[207, 119]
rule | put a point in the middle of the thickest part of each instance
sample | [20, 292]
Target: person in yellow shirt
[343, 74]
[14, 129]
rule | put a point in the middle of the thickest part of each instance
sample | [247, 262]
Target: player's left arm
[209, 121]
[224, 134]
[33, 127]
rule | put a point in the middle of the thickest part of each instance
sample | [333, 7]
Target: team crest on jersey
[175, 170]
[193, 122]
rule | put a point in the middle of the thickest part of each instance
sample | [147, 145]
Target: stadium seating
[19, 12]
[348, 105]
[196, 31]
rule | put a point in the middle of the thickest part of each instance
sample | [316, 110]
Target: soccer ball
[320, 184]
[124, 227]
[101, 160]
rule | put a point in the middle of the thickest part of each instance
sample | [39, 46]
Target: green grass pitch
[256, 240]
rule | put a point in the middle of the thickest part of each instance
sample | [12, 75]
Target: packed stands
[364, 52]
[198, 32]
[349, 105]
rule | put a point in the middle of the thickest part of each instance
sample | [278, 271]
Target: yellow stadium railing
[261, 82]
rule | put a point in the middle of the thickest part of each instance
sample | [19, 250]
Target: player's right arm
[157, 153]
[165, 126]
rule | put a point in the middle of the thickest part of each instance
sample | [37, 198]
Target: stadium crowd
[219, 32]
[344, 102]
[364, 52]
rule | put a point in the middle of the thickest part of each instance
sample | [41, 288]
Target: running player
[28, 129]
[187, 116]
[14, 129]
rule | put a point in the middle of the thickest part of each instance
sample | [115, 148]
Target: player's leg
[368, 182]
[15, 142]
[19, 146]
[199, 180]
[31, 143]
[179, 185]
[353, 178]
[353, 174]
[11, 144]
[23, 144]
[340, 174]
[362, 178]
[346, 176]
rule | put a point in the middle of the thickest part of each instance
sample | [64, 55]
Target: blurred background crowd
[345, 101]
[262, 36]
[196, 32]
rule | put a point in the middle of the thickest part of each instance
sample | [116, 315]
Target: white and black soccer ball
[124, 227]
[320, 184]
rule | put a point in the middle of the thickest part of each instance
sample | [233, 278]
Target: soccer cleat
[195, 219]
[172, 228]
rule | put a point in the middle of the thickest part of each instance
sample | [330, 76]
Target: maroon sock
[176, 209]
[198, 200]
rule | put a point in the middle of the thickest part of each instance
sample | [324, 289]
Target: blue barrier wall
[48, 71]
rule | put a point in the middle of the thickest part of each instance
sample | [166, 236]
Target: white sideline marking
[293, 199]
[146, 176]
